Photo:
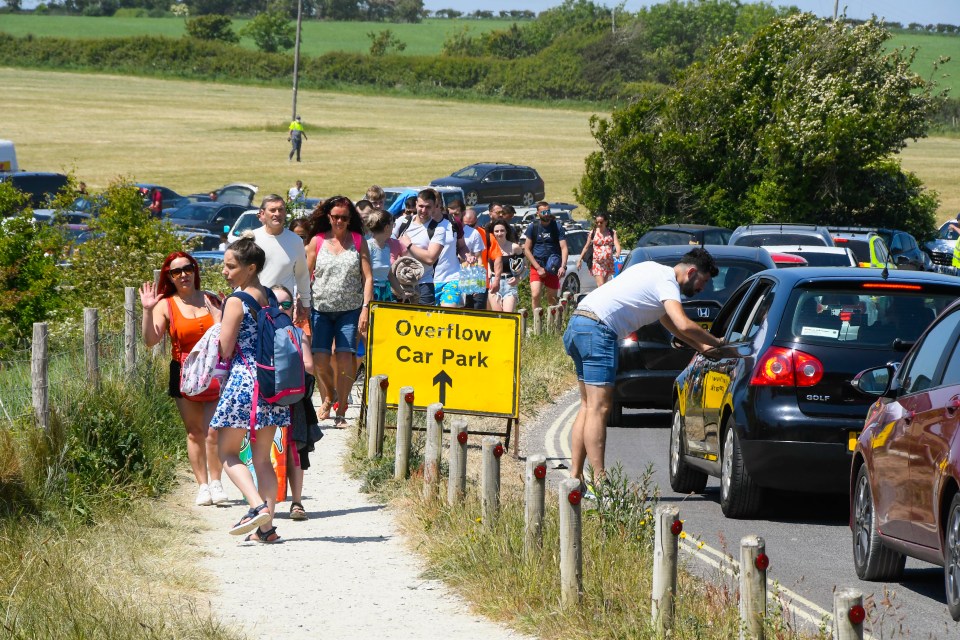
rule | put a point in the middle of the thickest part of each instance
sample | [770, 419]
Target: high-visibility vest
[296, 126]
[956, 254]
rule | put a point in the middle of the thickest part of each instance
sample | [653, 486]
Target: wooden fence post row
[91, 348]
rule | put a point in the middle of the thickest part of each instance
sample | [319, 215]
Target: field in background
[194, 137]
[318, 38]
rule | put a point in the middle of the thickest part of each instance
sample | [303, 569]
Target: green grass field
[930, 48]
[318, 38]
[194, 136]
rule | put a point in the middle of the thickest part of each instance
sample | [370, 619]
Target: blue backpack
[280, 376]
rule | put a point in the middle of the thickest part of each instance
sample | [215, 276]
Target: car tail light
[780, 367]
[892, 285]
[864, 265]
[840, 240]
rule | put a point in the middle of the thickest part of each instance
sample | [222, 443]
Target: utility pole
[836, 6]
[296, 60]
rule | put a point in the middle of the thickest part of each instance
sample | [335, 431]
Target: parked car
[496, 181]
[561, 216]
[171, 199]
[758, 235]
[816, 255]
[905, 251]
[867, 246]
[196, 240]
[209, 259]
[215, 217]
[577, 280]
[239, 193]
[40, 186]
[905, 473]
[940, 249]
[776, 409]
[648, 364]
[667, 234]
[248, 221]
[787, 260]
[396, 196]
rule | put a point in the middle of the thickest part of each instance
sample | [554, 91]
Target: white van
[8, 156]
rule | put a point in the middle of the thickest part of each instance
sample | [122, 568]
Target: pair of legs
[230, 443]
[295, 149]
[548, 283]
[336, 372]
[294, 474]
[588, 440]
[602, 278]
[201, 440]
[505, 299]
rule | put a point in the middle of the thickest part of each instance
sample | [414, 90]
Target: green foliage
[271, 30]
[384, 42]
[127, 12]
[210, 7]
[798, 124]
[212, 27]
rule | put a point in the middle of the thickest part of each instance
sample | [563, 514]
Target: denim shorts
[447, 293]
[594, 349]
[334, 325]
[425, 292]
[506, 290]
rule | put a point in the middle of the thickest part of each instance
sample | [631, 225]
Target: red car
[905, 474]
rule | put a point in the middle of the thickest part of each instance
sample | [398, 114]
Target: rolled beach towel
[405, 272]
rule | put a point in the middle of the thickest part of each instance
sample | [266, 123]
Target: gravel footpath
[344, 573]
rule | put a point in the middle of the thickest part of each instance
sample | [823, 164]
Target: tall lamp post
[296, 60]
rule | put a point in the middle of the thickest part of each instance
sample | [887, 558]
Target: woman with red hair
[176, 305]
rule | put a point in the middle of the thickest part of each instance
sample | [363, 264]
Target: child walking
[242, 263]
[383, 251]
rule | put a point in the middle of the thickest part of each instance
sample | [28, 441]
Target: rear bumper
[798, 466]
[645, 389]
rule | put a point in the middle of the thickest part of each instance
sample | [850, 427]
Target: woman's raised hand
[149, 298]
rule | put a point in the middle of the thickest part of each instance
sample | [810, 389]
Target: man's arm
[303, 282]
[528, 252]
[677, 323]
[563, 257]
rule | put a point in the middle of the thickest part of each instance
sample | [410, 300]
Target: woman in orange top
[177, 306]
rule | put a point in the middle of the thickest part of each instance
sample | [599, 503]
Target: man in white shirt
[295, 192]
[644, 293]
[426, 238]
[286, 262]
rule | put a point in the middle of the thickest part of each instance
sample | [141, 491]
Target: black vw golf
[776, 409]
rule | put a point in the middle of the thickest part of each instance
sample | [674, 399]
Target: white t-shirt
[418, 235]
[448, 264]
[634, 298]
[473, 240]
[294, 193]
[286, 262]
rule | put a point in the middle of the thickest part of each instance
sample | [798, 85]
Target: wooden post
[753, 587]
[554, 324]
[538, 321]
[161, 347]
[431, 450]
[457, 482]
[376, 414]
[534, 491]
[130, 330]
[567, 296]
[401, 465]
[664, 568]
[40, 382]
[91, 345]
[524, 315]
[848, 614]
[490, 495]
[571, 550]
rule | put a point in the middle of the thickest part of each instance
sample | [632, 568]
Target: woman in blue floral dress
[242, 264]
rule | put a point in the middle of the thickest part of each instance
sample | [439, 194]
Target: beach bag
[203, 371]
[588, 254]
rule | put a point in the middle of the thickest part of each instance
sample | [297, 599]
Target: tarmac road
[807, 536]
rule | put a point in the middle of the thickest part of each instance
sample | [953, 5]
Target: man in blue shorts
[645, 293]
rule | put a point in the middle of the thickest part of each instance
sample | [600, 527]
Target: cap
[298, 116]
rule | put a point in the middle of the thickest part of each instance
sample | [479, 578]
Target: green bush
[211, 27]
[130, 12]
[271, 30]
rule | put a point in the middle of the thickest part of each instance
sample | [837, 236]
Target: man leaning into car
[646, 292]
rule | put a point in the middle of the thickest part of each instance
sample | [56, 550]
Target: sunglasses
[340, 218]
[286, 304]
[188, 269]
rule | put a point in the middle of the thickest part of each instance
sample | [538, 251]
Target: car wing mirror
[876, 381]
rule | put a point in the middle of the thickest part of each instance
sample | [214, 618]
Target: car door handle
[908, 418]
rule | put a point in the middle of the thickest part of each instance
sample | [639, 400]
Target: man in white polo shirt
[286, 262]
[644, 293]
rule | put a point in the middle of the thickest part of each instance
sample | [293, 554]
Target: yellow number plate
[852, 440]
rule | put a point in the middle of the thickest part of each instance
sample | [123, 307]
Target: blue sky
[922, 11]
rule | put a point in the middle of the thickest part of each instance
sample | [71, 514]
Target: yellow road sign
[467, 359]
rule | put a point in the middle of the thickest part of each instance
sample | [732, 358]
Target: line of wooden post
[490, 480]
[401, 464]
[535, 486]
[457, 481]
[432, 450]
[571, 545]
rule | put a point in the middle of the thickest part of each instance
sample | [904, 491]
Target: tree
[385, 42]
[211, 27]
[447, 13]
[411, 11]
[271, 30]
[799, 124]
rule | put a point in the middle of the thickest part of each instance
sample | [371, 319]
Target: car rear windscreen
[823, 259]
[777, 238]
[862, 317]
[731, 273]
[860, 248]
[666, 238]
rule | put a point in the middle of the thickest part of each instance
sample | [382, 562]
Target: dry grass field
[194, 137]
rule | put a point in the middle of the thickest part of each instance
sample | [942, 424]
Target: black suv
[215, 217]
[777, 409]
[496, 182]
[42, 187]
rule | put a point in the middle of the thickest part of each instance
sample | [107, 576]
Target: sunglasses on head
[187, 269]
[286, 304]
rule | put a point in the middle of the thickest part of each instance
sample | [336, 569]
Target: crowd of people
[324, 271]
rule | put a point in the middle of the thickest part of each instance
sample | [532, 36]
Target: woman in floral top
[606, 247]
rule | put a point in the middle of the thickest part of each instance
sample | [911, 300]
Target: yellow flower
[479, 519]
[700, 545]
[683, 534]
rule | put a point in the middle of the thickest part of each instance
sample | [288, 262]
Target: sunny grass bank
[486, 564]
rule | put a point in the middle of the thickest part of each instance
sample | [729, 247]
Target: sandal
[340, 422]
[254, 518]
[270, 536]
[297, 512]
[324, 413]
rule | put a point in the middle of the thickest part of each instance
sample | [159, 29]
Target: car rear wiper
[902, 345]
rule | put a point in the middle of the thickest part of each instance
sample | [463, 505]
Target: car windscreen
[947, 233]
[664, 238]
[860, 248]
[778, 238]
[731, 274]
[857, 316]
[823, 259]
[246, 223]
[470, 173]
[192, 212]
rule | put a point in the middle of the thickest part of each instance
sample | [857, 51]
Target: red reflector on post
[438, 416]
[408, 398]
[762, 561]
[676, 527]
[574, 497]
[857, 614]
[462, 437]
[384, 383]
[498, 450]
[540, 471]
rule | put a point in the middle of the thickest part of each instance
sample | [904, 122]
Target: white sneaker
[217, 494]
[203, 496]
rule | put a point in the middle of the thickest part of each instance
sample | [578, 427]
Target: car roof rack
[852, 229]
